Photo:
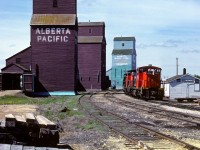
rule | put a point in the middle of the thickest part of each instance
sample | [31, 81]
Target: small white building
[182, 86]
[165, 85]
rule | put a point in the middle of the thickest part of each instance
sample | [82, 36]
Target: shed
[183, 86]
[17, 75]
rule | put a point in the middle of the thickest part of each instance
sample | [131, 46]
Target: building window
[55, 3]
[123, 44]
[196, 80]
[196, 87]
[178, 80]
[18, 60]
[89, 78]
[90, 30]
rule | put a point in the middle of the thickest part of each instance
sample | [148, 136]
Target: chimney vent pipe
[184, 71]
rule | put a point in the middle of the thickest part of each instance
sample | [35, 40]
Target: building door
[0, 82]
[11, 82]
[28, 80]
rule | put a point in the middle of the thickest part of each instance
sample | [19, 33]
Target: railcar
[144, 83]
[129, 81]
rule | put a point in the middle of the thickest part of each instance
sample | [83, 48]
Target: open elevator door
[0, 82]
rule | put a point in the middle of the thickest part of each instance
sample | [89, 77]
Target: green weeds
[51, 108]
[10, 100]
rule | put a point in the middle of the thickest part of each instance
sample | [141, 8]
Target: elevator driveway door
[11, 82]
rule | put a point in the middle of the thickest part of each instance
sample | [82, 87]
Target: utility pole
[177, 66]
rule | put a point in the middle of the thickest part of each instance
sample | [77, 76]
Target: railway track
[141, 136]
[188, 118]
[173, 103]
[182, 105]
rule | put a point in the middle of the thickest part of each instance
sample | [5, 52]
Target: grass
[90, 125]
[10, 100]
[70, 102]
[52, 106]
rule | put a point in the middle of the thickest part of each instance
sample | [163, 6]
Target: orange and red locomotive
[144, 83]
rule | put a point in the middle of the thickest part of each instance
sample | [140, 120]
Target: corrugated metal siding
[124, 39]
[46, 7]
[90, 24]
[54, 62]
[122, 52]
[53, 19]
[24, 55]
[90, 39]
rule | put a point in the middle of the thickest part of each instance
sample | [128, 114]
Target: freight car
[144, 83]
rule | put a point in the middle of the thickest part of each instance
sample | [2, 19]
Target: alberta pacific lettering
[52, 34]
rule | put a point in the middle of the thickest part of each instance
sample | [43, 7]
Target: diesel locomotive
[144, 83]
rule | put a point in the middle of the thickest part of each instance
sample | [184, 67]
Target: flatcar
[144, 83]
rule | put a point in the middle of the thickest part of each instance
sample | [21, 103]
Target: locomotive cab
[148, 77]
[148, 82]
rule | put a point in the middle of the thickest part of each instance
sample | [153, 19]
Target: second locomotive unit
[145, 83]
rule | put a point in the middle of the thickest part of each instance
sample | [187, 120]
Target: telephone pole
[177, 66]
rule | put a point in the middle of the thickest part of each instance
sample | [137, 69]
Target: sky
[164, 29]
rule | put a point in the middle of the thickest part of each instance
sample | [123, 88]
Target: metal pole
[176, 66]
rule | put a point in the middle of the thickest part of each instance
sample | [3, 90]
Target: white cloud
[190, 51]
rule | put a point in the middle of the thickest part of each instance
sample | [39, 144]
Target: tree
[197, 76]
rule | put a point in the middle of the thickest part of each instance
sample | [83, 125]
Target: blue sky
[164, 29]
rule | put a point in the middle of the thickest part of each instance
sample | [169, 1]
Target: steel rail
[186, 145]
[139, 143]
[153, 132]
[158, 111]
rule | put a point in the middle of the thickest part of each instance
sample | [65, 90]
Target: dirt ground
[100, 138]
[10, 92]
[77, 138]
[15, 109]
